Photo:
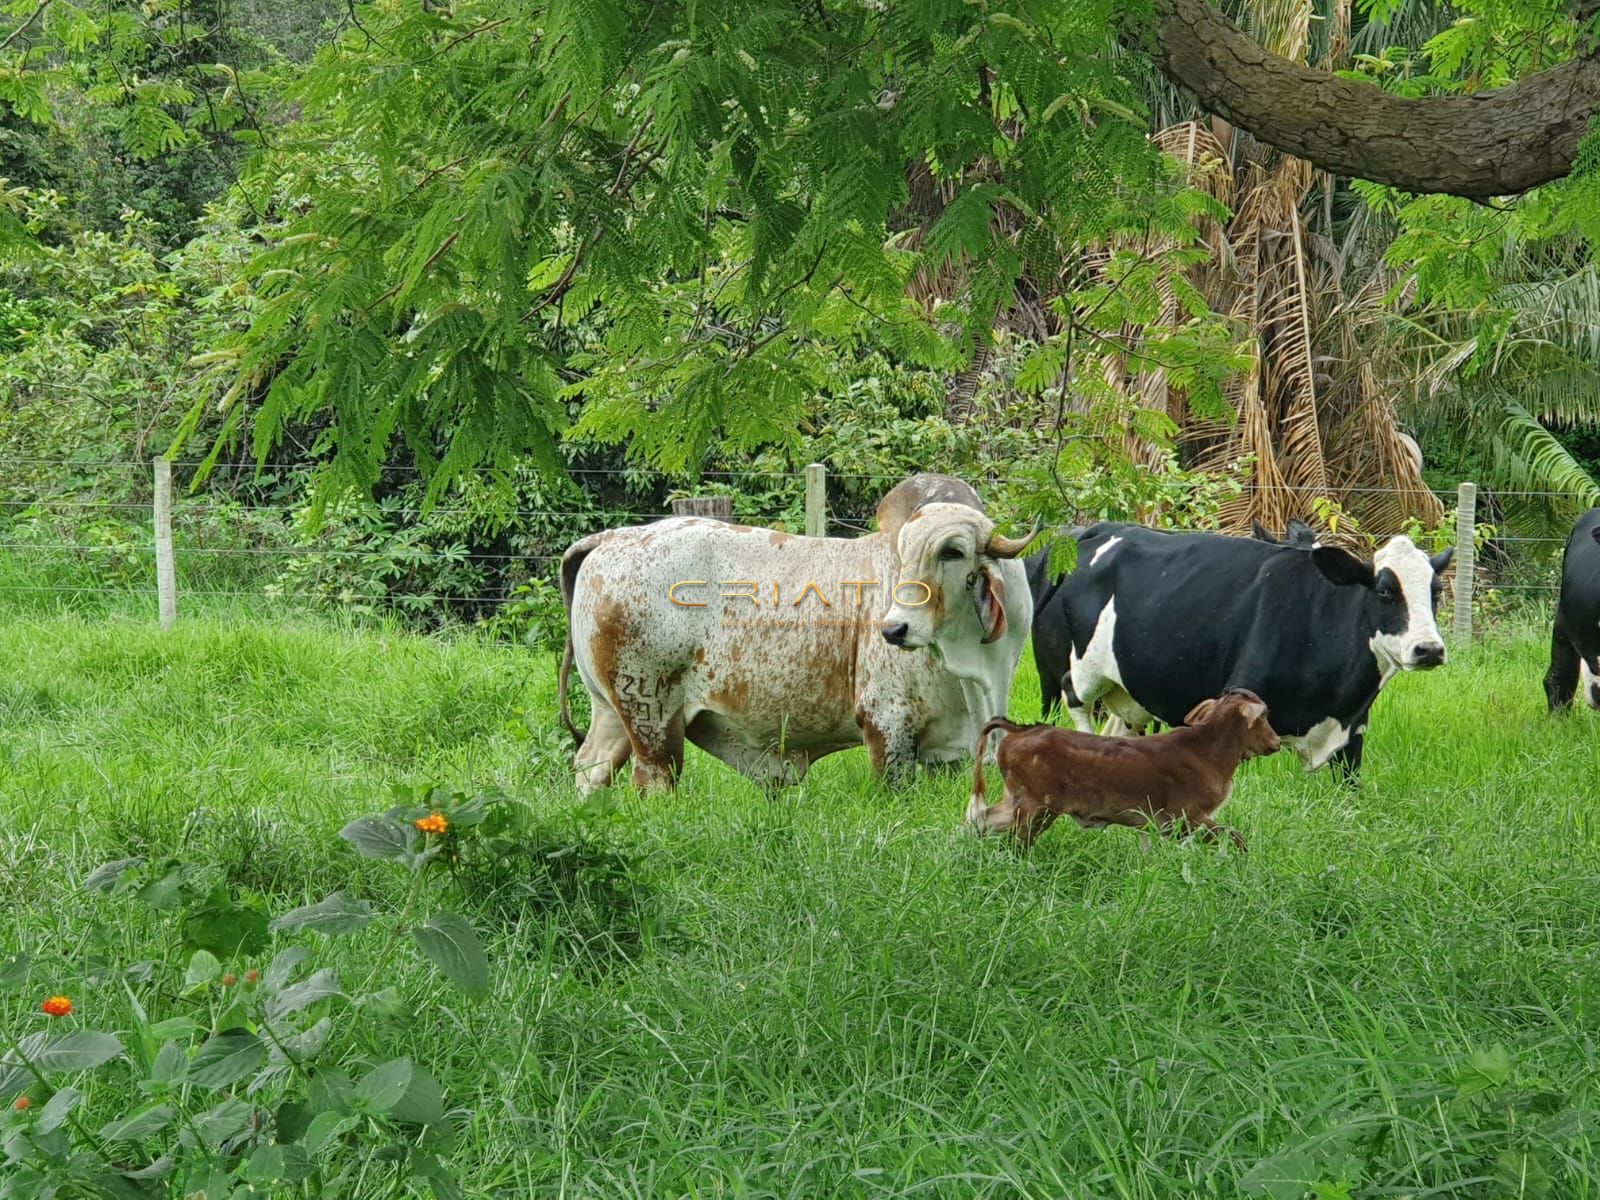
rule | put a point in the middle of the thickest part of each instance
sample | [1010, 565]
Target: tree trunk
[1486, 144]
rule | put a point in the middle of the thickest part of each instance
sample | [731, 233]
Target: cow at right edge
[1575, 639]
[1151, 623]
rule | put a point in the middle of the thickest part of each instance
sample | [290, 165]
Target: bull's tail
[979, 784]
[570, 562]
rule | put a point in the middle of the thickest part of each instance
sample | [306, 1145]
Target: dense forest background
[416, 293]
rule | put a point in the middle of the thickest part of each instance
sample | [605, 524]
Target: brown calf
[1184, 774]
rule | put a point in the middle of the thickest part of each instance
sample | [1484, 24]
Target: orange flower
[251, 976]
[22, 1104]
[434, 822]
[229, 980]
[57, 1006]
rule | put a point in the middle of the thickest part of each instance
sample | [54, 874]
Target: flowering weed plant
[248, 1068]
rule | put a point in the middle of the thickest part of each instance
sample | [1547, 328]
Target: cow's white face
[949, 586]
[1402, 585]
[1407, 584]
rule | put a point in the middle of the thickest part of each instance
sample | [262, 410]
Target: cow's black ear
[1299, 533]
[1442, 560]
[1259, 531]
[1341, 567]
[1595, 533]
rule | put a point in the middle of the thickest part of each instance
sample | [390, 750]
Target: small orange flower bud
[229, 980]
[252, 976]
[434, 822]
[57, 1006]
[23, 1104]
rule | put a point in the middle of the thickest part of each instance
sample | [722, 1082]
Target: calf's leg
[1211, 831]
[1015, 814]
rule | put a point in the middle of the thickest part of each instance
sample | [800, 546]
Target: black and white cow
[1575, 640]
[1151, 623]
[1051, 640]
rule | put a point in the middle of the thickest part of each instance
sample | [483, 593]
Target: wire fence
[287, 560]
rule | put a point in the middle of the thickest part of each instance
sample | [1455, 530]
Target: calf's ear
[1342, 568]
[1442, 560]
[1595, 533]
[1199, 714]
[990, 598]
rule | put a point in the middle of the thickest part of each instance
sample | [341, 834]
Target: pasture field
[837, 991]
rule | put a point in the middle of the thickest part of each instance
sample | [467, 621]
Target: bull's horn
[1004, 547]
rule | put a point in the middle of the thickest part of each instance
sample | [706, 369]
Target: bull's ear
[1442, 560]
[990, 598]
[1199, 714]
[1342, 568]
[1259, 531]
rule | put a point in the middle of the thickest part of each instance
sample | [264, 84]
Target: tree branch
[21, 29]
[1481, 145]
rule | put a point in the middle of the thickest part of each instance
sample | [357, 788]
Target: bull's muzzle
[894, 632]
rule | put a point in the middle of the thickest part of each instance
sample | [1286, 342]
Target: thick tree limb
[1482, 145]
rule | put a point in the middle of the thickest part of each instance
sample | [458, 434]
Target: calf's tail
[978, 782]
[570, 562]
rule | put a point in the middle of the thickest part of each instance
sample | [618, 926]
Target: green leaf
[283, 966]
[453, 946]
[325, 1127]
[140, 1125]
[82, 1050]
[14, 972]
[306, 1045]
[331, 1091]
[318, 986]
[385, 1085]
[204, 970]
[426, 1166]
[164, 892]
[291, 1120]
[1484, 1071]
[170, 1066]
[423, 1101]
[379, 837]
[59, 1107]
[225, 927]
[334, 915]
[172, 1027]
[225, 1059]
[218, 1124]
[113, 876]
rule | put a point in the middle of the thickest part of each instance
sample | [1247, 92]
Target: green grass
[838, 991]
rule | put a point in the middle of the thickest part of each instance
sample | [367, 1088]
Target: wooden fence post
[1466, 559]
[166, 570]
[816, 500]
[719, 507]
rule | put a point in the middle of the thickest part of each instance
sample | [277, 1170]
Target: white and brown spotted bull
[770, 650]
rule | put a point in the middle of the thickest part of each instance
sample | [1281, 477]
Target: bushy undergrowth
[833, 991]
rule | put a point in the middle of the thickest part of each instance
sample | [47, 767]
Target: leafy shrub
[233, 1078]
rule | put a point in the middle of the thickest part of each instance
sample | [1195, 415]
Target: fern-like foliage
[637, 221]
